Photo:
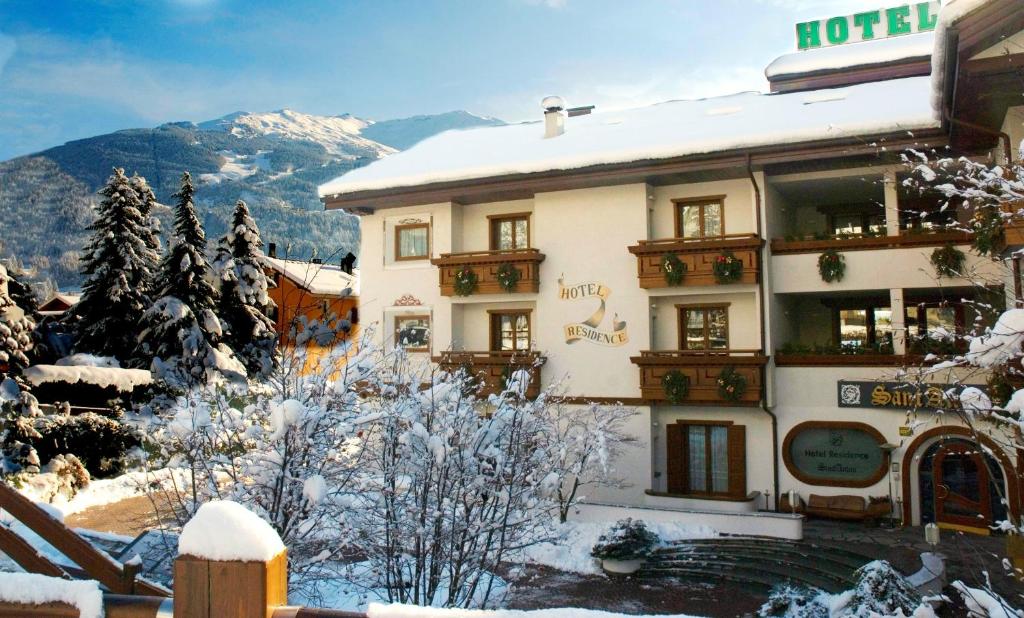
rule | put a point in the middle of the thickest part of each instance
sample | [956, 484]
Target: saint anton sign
[868, 26]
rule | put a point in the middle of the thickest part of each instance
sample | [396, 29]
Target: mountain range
[272, 160]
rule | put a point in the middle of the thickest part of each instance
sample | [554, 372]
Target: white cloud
[7, 47]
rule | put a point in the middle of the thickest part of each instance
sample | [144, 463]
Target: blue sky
[75, 68]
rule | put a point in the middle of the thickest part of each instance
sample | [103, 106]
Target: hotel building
[744, 193]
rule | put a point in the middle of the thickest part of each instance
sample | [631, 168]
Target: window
[703, 218]
[933, 327]
[864, 328]
[412, 332]
[510, 232]
[706, 458]
[869, 220]
[704, 327]
[412, 241]
[510, 331]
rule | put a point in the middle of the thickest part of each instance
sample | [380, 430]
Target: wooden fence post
[220, 589]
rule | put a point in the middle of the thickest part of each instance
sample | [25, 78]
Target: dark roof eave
[524, 185]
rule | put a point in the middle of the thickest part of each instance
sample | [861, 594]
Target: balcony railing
[906, 239]
[702, 369]
[493, 369]
[698, 255]
[485, 265]
[1013, 226]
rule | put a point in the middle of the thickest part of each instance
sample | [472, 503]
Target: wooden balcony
[494, 368]
[485, 264]
[703, 369]
[906, 239]
[698, 255]
[1013, 226]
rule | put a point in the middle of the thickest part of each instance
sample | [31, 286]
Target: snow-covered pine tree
[147, 202]
[15, 332]
[118, 264]
[244, 303]
[181, 330]
[21, 291]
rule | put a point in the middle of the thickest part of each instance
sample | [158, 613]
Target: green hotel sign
[868, 26]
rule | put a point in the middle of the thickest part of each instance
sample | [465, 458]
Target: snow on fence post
[230, 563]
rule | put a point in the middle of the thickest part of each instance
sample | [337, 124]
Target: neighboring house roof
[851, 56]
[319, 279]
[59, 303]
[663, 131]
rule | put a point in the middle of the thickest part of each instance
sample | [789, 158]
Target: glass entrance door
[962, 494]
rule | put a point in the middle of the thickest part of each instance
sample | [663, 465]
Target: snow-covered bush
[881, 590]
[102, 444]
[790, 601]
[69, 473]
[628, 539]
[15, 332]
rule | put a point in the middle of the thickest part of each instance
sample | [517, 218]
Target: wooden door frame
[984, 490]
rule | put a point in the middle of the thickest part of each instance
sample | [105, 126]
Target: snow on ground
[225, 530]
[124, 380]
[377, 610]
[88, 360]
[35, 589]
[41, 489]
[572, 552]
[238, 166]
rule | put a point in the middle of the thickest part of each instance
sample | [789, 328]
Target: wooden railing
[905, 240]
[698, 256]
[485, 265]
[117, 577]
[493, 369]
[1013, 225]
[703, 369]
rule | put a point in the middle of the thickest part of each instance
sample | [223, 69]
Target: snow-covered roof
[671, 129]
[124, 380]
[850, 56]
[320, 279]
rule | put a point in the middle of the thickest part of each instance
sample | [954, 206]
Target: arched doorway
[917, 487]
[959, 485]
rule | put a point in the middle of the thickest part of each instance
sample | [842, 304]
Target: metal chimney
[554, 116]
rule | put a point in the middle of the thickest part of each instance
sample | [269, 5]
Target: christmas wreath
[465, 281]
[831, 266]
[727, 268]
[508, 276]
[673, 269]
[731, 385]
[676, 385]
[948, 261]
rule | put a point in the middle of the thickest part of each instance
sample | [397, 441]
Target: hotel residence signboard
[894, 395]
[868, 25]
[836, 454]
[589, 329]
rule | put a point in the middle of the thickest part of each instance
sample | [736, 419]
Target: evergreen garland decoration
[987, 225]
[831, 266]
[508, 276]
[676, 385]
[731, 385]
[465, 281]
[948, 261]
[727, 268]
[1000, 390]
[673, 268]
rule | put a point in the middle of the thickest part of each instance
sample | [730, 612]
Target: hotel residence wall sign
[589, 329]
[837, 454]
[894, 395]
[868, 25]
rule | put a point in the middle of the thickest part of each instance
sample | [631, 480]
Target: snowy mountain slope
[339, 135]
[274, 161]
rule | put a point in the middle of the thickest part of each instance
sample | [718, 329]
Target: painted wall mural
[589, 329]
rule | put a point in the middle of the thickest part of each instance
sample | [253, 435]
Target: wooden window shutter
[675, 455]
[737, 461]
